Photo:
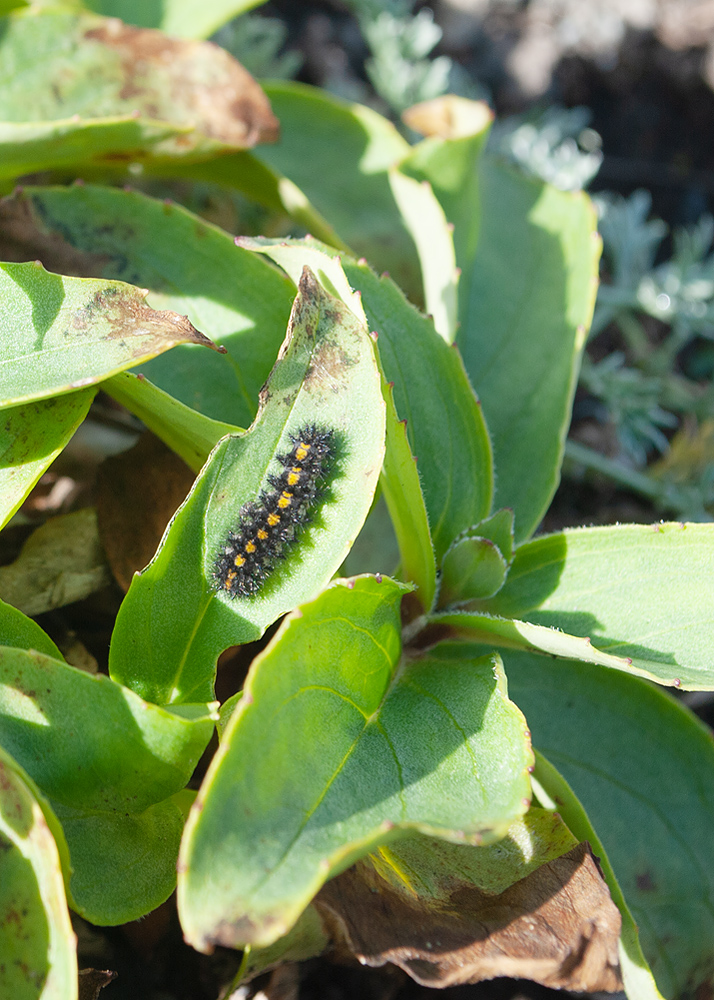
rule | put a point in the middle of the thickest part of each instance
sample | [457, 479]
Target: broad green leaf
[552, 789]
[173, 624]
[638, 592]
[124, 864]
[445, 426]
[31, 437]
[60, 63]
[424, 218]
[21, 632]
[531, 291]
[336, 748]
[180, 18]
[448, 159]
[402, 491]
[61, 562]
[64, 333]
[339, 155]
[37, 944]
[190, 267]
[643, 768]
[6, 6]
[88, 742]
[186, 431]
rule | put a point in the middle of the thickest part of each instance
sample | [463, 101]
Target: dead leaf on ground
[60, 563]
[557, 926]
[91, 981]
[138, 492]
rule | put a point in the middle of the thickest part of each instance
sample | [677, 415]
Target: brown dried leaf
[558, 926]
[91, 981]
[448, 117]
[137, 494]
[61, 562]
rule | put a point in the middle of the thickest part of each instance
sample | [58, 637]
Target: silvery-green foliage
[557, 146]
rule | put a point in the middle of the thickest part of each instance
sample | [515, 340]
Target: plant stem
[631, 478]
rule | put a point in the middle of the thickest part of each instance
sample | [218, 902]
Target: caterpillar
[269, 525]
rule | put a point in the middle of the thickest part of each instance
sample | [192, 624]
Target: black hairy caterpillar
[272, 523]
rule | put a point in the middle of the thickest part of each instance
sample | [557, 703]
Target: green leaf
[188, 266]
[432, 393]
[445, 425]
[473, 568]
[638, 592]
[402, 491]
[642, 766]
[21, 632]
[173, 624]
[179, 18]
[187, 432]
[427, 872]
[476, 565]
[360, 749]
[499, 529]
[514, 634]
[552, 789]
[124, 864]
[58, 63]
[428, 868]
[28, 147]
[449, 160]
[31, 437]
[63, 333]
[6, 6]
[354, 147]
[88, 742]
[424, 218]
[37, 943]
[531, 291]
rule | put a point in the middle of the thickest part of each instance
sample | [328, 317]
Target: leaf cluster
[443, 730]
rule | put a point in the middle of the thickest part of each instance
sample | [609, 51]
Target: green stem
[631, 478]
[663, 495]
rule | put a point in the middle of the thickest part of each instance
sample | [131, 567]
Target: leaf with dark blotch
[62, 333]
[189, 267]
[96, 89]
[557, 926]
[137, 494]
